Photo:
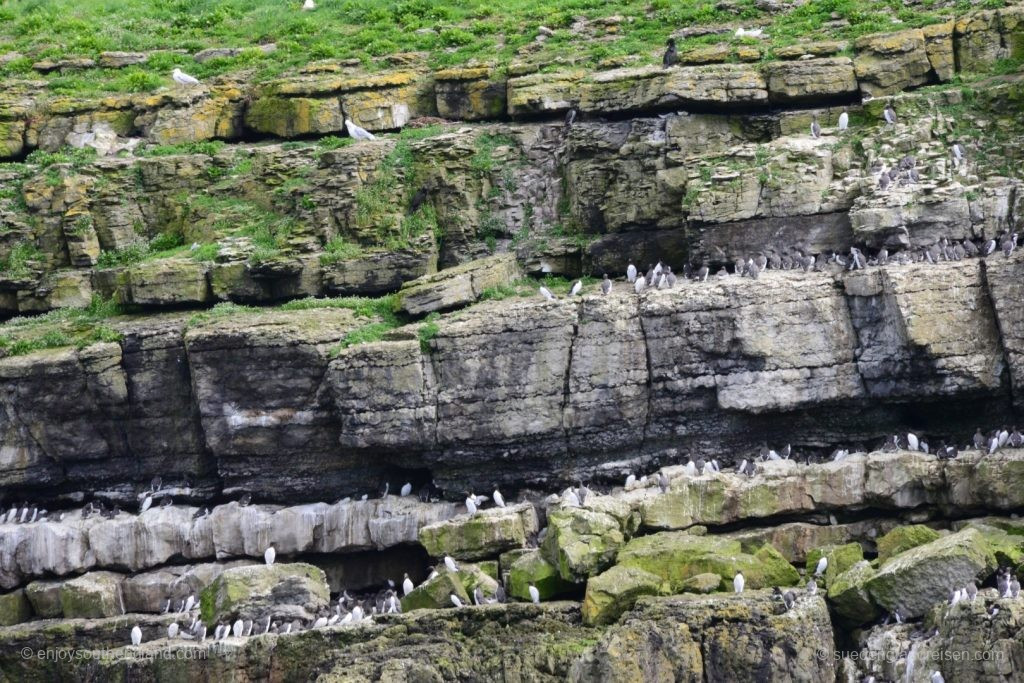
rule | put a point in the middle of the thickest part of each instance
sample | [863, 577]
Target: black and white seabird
[534, 594]
[576, 288]
[606, 285]
[738, 582]
[889, 114]
[815, 127]
[671, 56]
[844, 121]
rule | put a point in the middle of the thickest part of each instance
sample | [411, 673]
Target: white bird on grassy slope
[308, 6]
[182, 78]
[751, 32]
[822, 566]
[358, 133]
[269, 554]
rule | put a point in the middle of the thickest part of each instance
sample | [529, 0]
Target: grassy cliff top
[447, 32]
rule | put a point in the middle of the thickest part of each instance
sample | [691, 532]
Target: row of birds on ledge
[660, 276]
[986, 443]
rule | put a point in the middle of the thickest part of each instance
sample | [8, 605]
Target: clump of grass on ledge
[339, 249]
[65, 327]
[18, 263]
[207, 147]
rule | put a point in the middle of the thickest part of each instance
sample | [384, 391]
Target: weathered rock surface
[485, 534]
[280, 591]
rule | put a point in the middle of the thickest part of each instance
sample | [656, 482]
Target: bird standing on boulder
[889, 114]
[671, 56]
[269, 554]
[406, 489]
[455, 599]
[358, 133]
[631, 273]
[172, 630]
[546, 293]
[606, 285]
[576, 288]
[822, 566]
[182, 78]
[407, 586]
[136, 635]
[815, 127]
[534, 594]
[450, 564]
[844, 121]
[499, 499]
[738, 582]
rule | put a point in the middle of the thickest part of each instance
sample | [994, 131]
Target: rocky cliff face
[213, 290]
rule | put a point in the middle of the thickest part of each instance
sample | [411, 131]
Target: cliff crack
[650, 380]
[986, 287]
[566, 382]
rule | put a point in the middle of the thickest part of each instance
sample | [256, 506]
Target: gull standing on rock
[136, 635]
[449, 562]
[844, 121]
[631, 273]
[182, 78]
[358, 133]
[471, 504]
[534, 594]
[738, 582]
[269, 554]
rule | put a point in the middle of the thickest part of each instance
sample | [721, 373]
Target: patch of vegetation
[19, 260]
[225, 309]
[366, 334]
[126, 256]
[427, 331]
[207, 147]
[449, 31]
[77, 327]
[77, 157]
[339, 249]
[483, 158]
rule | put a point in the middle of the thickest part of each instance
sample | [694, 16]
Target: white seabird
[455, 599]
[236, 628]
[844, 121]
[407, 585]
[534, 594]
[576, 288]
[631, 273]
[136, 635]
[406, 489]
[449, 562]
[308, 6]
[357, 132]
[269, 554]
[546, 293]
[738, 582]
[499, 500]
[182, 78]
[172, 630]
[822, 566]
[471, 505]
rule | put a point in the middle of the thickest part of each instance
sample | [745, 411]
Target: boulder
[917, 579]
[611, 593]
[485, 534]
[458, 286]
[470, 93]
[377, 272]
[678, 556]
[891, 62]
[701, 583]
[810, 80]
[14, 608]
[904, 538]
[166, 282]
[118, 60]
[531, 567]
[435, 592]
[848, 595]
[719, 637]
[840, 558]
[92, 596]
[284, 591]
[581, 542]
[45, 598]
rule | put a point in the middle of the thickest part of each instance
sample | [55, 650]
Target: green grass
[65, 327]
[208, 147]
[19, 261]
[427, 331]
[339, 249]
[450, 32]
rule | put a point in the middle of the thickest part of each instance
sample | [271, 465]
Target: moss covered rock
[435, 593]
[840, 558]
[533, 568]
[581, 542]
[918, 578]
[613, 592]
[484, 534]
[849, 596]
[677, 556]
[92, 595]
[14, 608]
[904, 538]
[702, 583]
[284, 591]
[45, 598]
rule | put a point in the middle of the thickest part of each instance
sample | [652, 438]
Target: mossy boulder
[533, 568]
[92, 596]
[904, 538]
[14, 608]
[840, 558]
[613, 592]
[45, 598]
[457, 286]
[435, 593]
[485, 534]
[918, 578]
[677, 556]
[702, 583]
[285, 591]
[849, 596]
[581, 542]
